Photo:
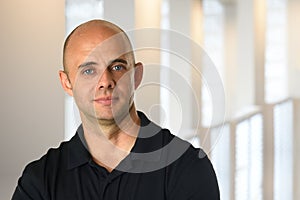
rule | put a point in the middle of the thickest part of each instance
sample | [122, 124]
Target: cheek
[125, 84]
[84, 91]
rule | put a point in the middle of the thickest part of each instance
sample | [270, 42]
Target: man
[116, 153]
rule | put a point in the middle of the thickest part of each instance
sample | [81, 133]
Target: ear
[138, 74]
[65, 82]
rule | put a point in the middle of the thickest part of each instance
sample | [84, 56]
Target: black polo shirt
[160, 166]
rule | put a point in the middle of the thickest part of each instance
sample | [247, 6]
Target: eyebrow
[85, 64]
[120, 60]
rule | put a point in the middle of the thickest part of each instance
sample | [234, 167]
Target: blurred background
[246, 114]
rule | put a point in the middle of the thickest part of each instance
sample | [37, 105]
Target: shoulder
[53, 157]
[192, 175]
[32, 183]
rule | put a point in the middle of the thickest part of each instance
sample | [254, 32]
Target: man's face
[101, 71]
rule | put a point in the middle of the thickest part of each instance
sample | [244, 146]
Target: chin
[115, 114]
[106, 121]
[105, 116]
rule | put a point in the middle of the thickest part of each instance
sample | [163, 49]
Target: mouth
[106, 101]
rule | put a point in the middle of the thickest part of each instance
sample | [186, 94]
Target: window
[276, 50]
[213, 44]
[220, 157]
[283, 151]
[78, 11]
[249, 159]
[165, 62]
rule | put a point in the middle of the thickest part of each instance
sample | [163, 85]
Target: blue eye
[88, 71]
[117, 67]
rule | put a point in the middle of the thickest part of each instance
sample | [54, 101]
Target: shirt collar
[149, 140]
[78, 151]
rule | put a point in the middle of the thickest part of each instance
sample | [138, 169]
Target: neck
[110, 142]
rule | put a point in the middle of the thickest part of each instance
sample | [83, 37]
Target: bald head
[97, 30]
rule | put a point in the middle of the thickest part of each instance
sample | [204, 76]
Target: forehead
[109, 48]
[98, 43]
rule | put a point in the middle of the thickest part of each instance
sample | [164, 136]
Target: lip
[106, 101]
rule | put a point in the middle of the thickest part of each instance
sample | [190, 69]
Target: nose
[106, 80]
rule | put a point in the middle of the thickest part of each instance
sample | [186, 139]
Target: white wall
[32, 101]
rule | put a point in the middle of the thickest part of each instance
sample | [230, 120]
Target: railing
[253, 153]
